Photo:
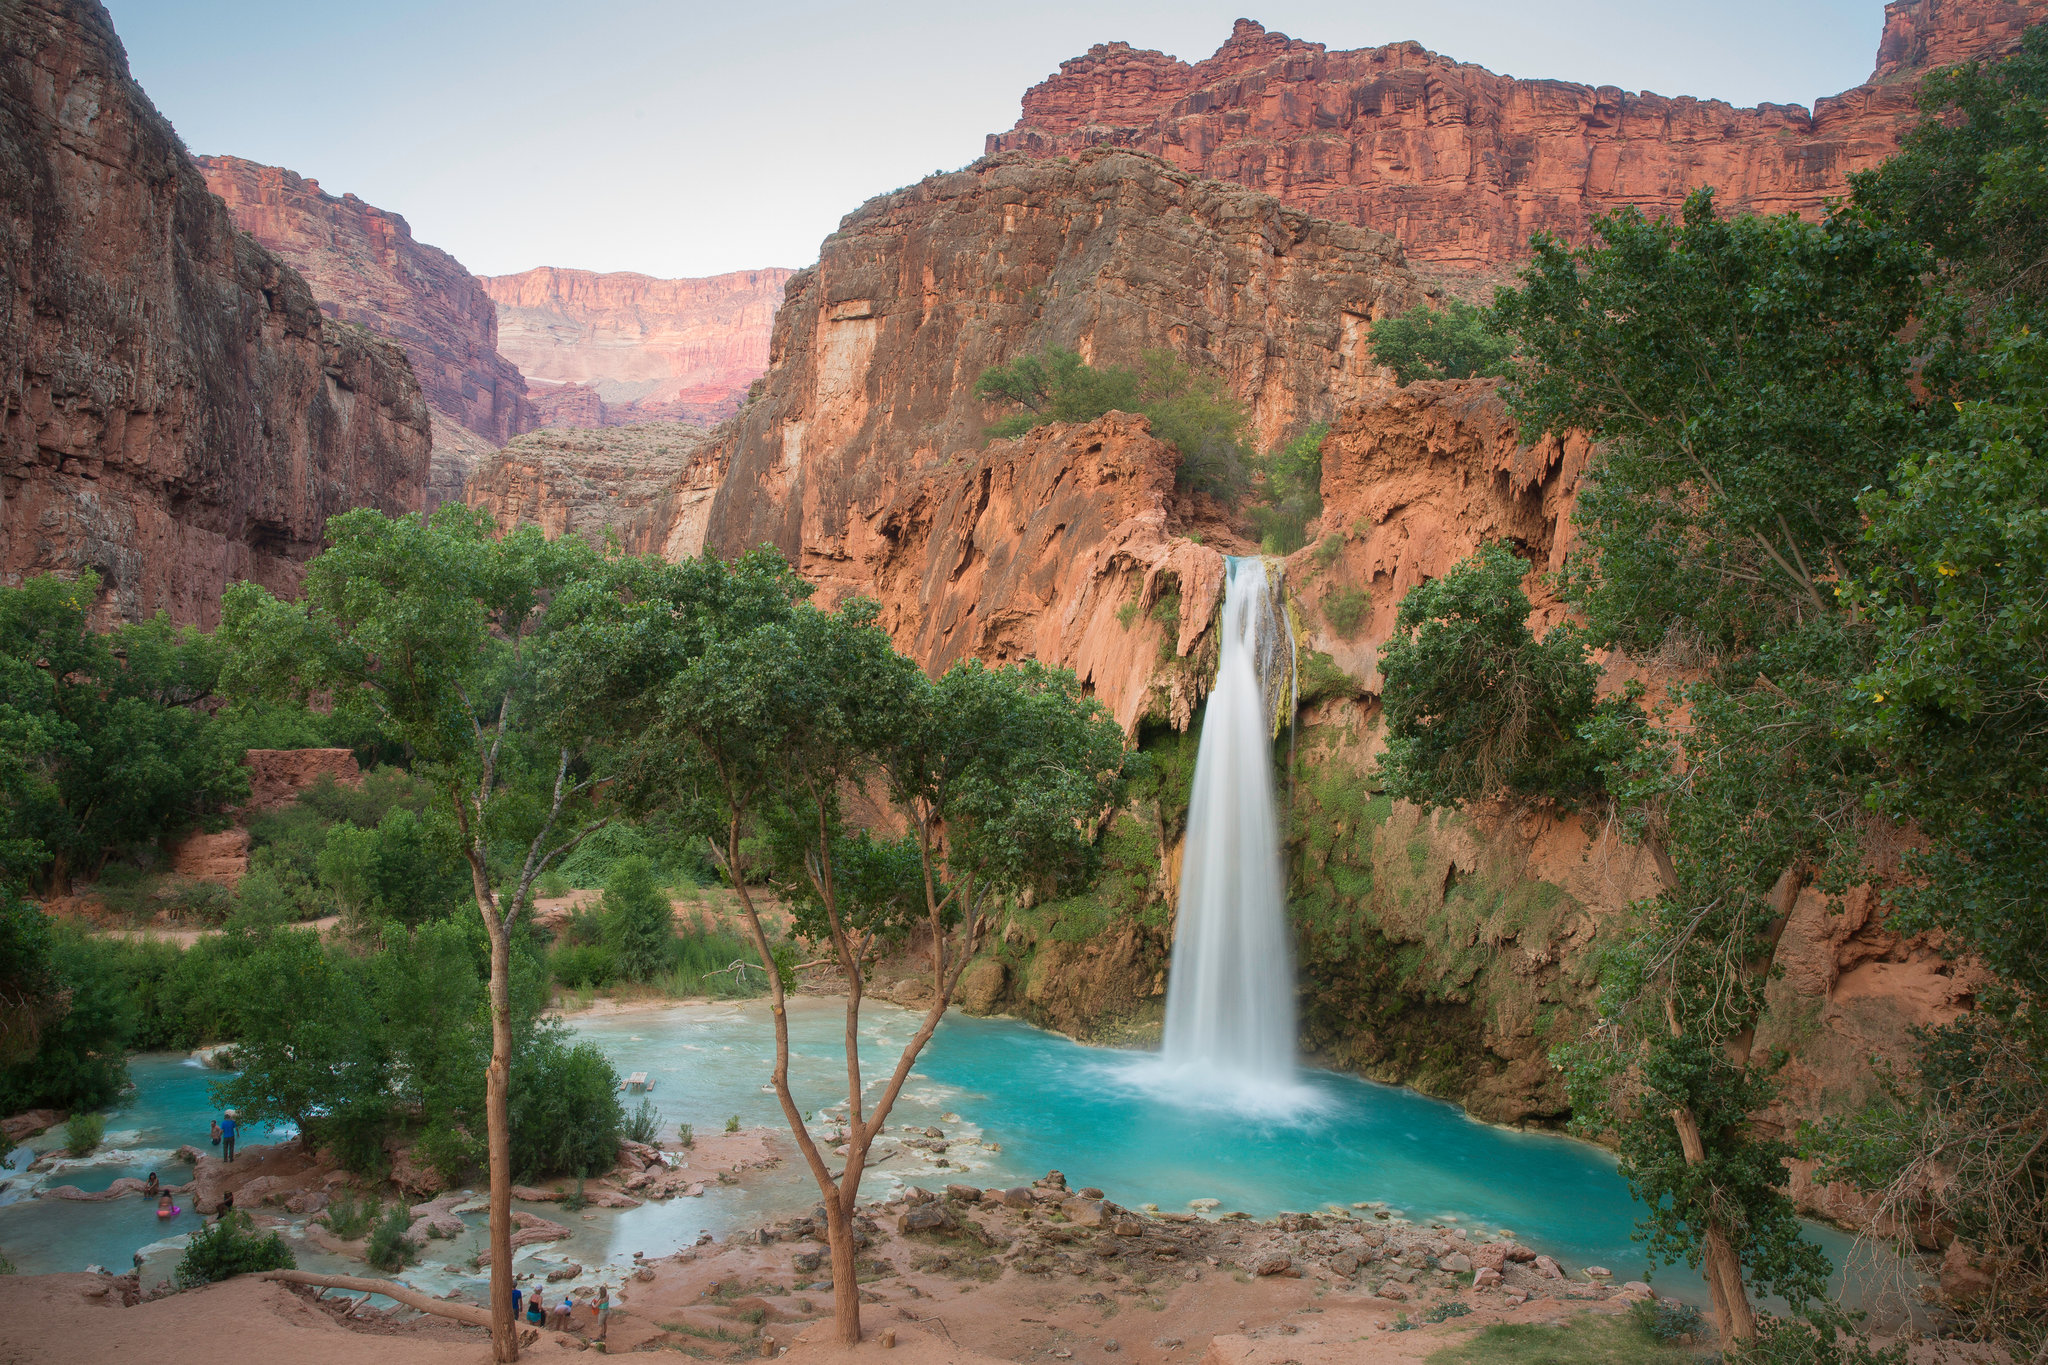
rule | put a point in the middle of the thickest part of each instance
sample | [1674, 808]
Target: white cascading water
[1230, 999]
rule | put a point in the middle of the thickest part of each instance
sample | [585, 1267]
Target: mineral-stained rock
[633, 348]
[529, 1228]
[174, 411]
[277, 776]
[25, 1125]
[364, 267]
[221, 856]
[981, 986]
[1461, 164]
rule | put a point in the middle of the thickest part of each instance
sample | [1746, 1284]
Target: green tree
[1746, 378]
[998, 771]
[308, 1044]
[1476, 707]
[460, 645]
[639, 922]
[229, 1246]
[85, 1016]
[1456, 341]
[102, 742]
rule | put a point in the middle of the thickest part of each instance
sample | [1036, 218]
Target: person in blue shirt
[227, 1136]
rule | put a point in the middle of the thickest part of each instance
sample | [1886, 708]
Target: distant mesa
[621, 348]
[1462, 165]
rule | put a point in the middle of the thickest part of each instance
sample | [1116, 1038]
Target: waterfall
[1230, 999]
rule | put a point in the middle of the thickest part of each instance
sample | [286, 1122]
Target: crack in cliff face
[176, 414]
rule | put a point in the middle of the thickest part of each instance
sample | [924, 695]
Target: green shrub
[644, 1123]
[408, 868]
[585, 964]
[1290, 487]
[349, 1215]
[732, 1125]
[82, 1135]
[685, 1137]
[390, 1249]
[1345, 610]
[1444, 1312]
[1454, 342]
[565, 1108]
[228, 1247]
[1667, 1320]
[702, 964]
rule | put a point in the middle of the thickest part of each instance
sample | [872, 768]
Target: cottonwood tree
[1746, 379]
[1000, 773]
[455, 643]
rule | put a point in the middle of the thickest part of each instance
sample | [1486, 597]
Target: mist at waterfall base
[1230, 1029]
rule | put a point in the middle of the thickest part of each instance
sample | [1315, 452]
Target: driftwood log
[411, 1298]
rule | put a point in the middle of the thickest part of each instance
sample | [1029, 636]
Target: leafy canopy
[1456, 341]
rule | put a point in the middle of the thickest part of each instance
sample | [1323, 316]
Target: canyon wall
[1462, 165]
[176, 412]
[616, 481]
[364, 267]
[613, 349]
[877, 350]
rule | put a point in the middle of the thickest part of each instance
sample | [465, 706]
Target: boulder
[1393, 1292]
[1518, 1252]
[966, 1194]
[1636, 1289]
[928, 1217]
[1486, 1277]
[564, 1272]
[1017, 1197]
[1457, 1262]
[1962, 1279]
[1344, 1264]
[413, 1176]
[436, 1218]
[1490, 1255]
[1272, 1263]
[1548, 1268]
[1087, 1213]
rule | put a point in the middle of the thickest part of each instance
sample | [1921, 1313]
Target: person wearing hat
[227, 1136]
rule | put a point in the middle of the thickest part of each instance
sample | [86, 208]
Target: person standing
[227, 1136]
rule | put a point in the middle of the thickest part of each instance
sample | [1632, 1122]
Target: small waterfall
[1230, 999]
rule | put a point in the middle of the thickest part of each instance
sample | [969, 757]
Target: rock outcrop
[364, 267]
[1461, 164]
[619, 481]
[879, 345]
[623, 348]
[175, 413]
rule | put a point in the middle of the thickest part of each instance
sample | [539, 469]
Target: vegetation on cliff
[1456, 341]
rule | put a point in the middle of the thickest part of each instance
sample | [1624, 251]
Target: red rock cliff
[174, 411]
[1461, 164]
[364, 267]
[879, 345]
[611, 349]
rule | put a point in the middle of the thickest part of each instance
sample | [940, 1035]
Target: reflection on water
[1011, 1102]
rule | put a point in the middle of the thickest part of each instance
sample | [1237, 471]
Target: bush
[685, 1137]
[80, 1061]
[702, 965]
[587, 964]
[407, 868]
[639, 925]
[82, 1135]
[644, 1123]
[350, 1215]
[1345, 610]
[1454, 342]
[732, 1125]
[1667, 1320]
[228, 1247]
[390, 1249]
[564, 1108]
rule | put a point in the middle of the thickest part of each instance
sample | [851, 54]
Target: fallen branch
[411, 1298]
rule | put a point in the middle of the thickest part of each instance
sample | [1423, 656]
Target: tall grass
[703, 965]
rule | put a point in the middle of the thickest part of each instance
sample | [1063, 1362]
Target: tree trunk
[411, 1298]
[498, 1120]
[845, 1271]
[1724, 1267]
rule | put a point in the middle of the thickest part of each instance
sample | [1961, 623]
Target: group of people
[224, 1129]
[562, 1317]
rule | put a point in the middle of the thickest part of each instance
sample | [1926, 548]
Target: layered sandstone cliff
[176, 413]
[613, 349]
[1461, 164]
[615, 482]
[878, 348]
[365, 267]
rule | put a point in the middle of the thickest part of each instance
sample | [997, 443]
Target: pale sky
[690, 138]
